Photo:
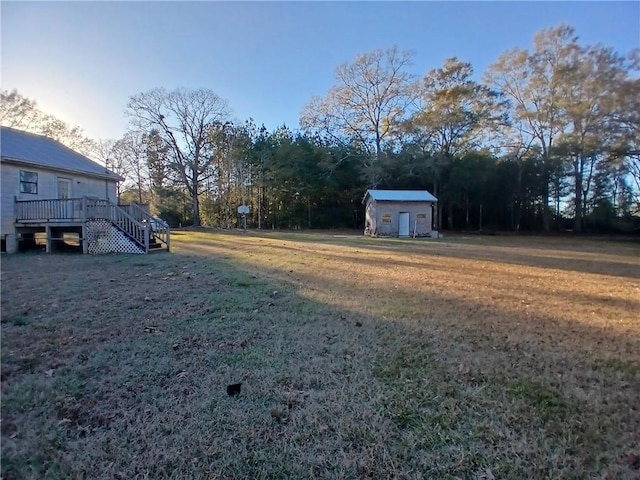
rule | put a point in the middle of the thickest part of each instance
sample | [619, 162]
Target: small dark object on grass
[234, 389]
[633, 461]
[277, 414]
[358, 324]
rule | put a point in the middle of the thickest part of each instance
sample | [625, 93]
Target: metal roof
[37, 150]
[400, 196]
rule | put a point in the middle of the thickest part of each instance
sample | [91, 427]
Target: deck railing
[59, 210]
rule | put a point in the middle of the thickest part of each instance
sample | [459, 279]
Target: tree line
[549, 139]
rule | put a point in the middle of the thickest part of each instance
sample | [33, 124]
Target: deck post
[47, 232]
[85, 236]
[168, 239]
[85, 239]
[12, 242]
[147, 228]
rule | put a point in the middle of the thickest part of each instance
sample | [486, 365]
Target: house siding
[80, 186]
[383, 217]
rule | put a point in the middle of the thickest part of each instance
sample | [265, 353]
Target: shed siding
[383, 217]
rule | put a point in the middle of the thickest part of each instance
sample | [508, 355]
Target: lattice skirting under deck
[104, 237]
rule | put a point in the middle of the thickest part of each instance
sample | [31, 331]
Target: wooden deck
[134, 221]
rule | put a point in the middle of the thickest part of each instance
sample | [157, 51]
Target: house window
[386, 217]
[64, 187]
[28, 182]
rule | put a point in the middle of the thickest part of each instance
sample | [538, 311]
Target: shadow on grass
[121, 372]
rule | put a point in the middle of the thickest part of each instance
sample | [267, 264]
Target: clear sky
[81, 61]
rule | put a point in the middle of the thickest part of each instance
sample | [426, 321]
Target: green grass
[18, 320]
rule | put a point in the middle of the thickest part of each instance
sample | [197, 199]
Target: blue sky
[81, 61]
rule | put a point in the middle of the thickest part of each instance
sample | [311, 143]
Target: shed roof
[37, 150]
[400, 196]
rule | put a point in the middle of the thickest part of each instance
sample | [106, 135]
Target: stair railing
[159, 229]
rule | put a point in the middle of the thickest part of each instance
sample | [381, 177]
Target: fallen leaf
[464, 369]
[64, 421]
[175, 346]
[633, 461]
[182, 375]
[49, 373]
[147, 299]
[277, 414]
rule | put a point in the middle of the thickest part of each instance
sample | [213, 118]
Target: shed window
[421, 218]
[28, 182]
[386, 217]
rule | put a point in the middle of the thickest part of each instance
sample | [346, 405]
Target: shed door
[403, 224]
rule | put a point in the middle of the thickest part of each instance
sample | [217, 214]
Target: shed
[399, 213]
[49, 189]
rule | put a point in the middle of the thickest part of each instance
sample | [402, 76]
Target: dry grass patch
[358, 357]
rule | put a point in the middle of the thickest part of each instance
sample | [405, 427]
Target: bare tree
[129, 154]
[191, 123]
[22, 113]
[627, 115]
[453, 115]
[593, 79]
[532, 83]
[110, 153]
[367, 105]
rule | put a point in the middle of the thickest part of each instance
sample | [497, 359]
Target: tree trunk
[577, 178]
[519, 199]
[196, 205]
[546, 220]
[437, 211]
[467, 211]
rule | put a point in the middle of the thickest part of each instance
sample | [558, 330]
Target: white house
[51, 190]
[399, 213]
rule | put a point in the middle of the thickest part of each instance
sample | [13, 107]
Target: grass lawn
[462, 358]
